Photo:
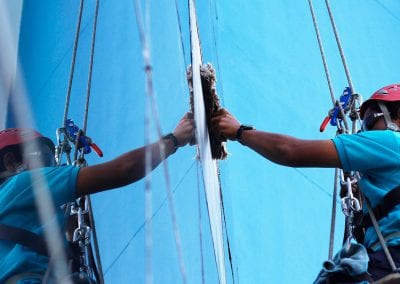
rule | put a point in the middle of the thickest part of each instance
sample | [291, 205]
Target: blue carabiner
[72, 133]
[344, 102]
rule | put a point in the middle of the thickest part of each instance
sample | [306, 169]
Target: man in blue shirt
[28, 176]
[374, 153]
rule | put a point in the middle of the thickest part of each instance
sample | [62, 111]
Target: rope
[150, 95]
[380, 236]
[89, 82]
[85, 121]
[321, 49]
[227, 239]
[216, 48]
[336, 103]
[71, 74]
[346, 69]
[333, 215]
[200, 230]
[180, 32]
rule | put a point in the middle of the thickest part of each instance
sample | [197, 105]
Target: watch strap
[242, 128]
[171, 136]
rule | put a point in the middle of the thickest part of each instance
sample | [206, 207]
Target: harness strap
[23, 237]
[390, 200]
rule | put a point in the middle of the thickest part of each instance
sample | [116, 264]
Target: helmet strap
[390, 125]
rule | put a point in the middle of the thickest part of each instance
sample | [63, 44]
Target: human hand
[224, 125]
[184, 131]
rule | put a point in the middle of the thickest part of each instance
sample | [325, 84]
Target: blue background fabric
[269, 74]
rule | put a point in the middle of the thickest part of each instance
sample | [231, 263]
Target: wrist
[240, 131]
[172, 137]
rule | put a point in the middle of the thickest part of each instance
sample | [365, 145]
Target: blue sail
[269, 74]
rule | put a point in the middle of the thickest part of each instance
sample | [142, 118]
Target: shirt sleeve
[62, 183]
[368, 150]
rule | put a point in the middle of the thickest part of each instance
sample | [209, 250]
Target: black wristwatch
[242, 128]
[173, 138]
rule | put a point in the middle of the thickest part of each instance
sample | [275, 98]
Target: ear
[397, 119]
[10, 162]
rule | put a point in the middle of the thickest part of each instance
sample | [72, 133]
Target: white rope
[209, 166]
[73, 61]
[339, 44]
[144, 39]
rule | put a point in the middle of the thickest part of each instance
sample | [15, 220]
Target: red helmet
[16, 136]
[389, 93]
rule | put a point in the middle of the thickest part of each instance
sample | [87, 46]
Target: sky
[269, 74]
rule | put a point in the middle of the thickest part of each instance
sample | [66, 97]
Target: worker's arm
[281, 149]
[131, 166]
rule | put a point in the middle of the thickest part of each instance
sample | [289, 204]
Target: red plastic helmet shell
[390, 93]
[16, 136]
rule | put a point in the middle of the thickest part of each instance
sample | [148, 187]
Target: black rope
[226, 234]
[200, 230]
[181, 33]
[214, 22]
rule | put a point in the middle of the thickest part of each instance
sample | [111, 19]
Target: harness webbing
[389, 201]
[24, 237]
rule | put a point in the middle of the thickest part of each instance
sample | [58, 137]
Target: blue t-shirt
[18, 208]
[376, 155]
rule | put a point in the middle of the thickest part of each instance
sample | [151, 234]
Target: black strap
[23, 237]
[390, 200]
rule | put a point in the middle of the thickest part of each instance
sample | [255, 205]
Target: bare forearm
[123, 170]
[290, 151]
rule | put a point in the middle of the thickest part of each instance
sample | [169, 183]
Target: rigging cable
[151, 97]
[209, 166]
